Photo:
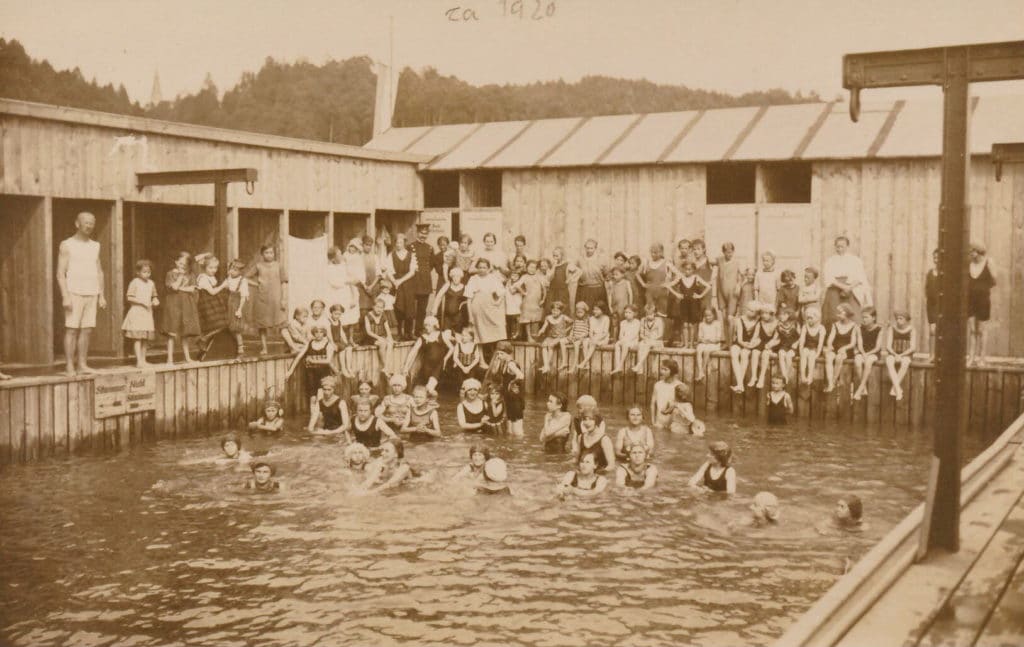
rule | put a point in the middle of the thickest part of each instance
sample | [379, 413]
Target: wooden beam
[220, 222]
[116, 282]
[1006, 153]
[232, 233]
[204, 176]
[43, 224]
[986, 62]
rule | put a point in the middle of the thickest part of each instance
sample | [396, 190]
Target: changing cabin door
[735, 223]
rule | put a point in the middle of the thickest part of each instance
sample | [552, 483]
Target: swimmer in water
[637, 472]
[478, 457]
[367, 428]
[764, 509]
[495, 478]
[717, 473]
[262, 479]
[636, 432]
[848, 515]
[423, 423]
[232, 448]
[557, 424]
[584, 481]
[329, 416]
[357, 457]
[388, 471]
[272, 420]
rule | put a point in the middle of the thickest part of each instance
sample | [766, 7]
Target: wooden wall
[53, 416]
[888, 208]
[622, 208]
[994, 396]
[77, 160]
[26, 279]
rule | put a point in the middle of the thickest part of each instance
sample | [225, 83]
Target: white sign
[117, 394]
[478, 222]
[440, 221]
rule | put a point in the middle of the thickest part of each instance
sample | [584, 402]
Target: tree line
[334, 101]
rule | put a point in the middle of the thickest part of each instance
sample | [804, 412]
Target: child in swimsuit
[636, 472]
[780, 403]
[423, 422]
[600, 333]
[663, 394]
[495, 419]
[785, 342]
[812, 340]
[470, 411]
[329, 416]
[842, 340]
[709, 340]
[556, 325]
[744, 349]
[629, 338]
[395, 406]
[578, 335]
[367, 428]
[357, 456]
[769, 324]
[869, 349]
[717, 473]
[557, 424]
[271, 420]
[652, 335]
[584, 481]
[637, 433]
[262, 480]
[479, 454]
[900, 350]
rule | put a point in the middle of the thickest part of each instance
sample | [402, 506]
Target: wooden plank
[124, 431]
[251, 399]
[224, 396]
[203, 398]
[180, 404]
[1004, 626]
[978, 402]
[86, 425]
[918, 394]
[993, 406]
[1011, 395]
[31, 448]
[261, 383]
[212, 421]
[74, 425]
[5, 424]
[159, 411]
[17, 433]
[192, 401]
[47, 435]
[725, 381]
[59, 414]
[929, 397]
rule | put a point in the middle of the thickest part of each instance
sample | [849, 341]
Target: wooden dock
[994, 392]
[53, 416]
[972, 597]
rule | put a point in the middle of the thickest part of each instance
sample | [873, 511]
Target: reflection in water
[137, 549]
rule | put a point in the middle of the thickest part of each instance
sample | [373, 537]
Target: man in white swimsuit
[80, 278]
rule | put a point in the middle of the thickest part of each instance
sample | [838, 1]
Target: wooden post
[116, 282]
[220, 222]
[232, 234]
[329, 229]
[43, 351]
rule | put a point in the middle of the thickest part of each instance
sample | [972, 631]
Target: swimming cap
[769, 503]
[398, 380]
[471, 383]
[495, 470]
[586, 401]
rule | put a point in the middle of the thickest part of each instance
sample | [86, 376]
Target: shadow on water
[139, 549]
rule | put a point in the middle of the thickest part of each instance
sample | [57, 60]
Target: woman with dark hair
[846, 282]
[401, 267]
[390, 470]
[717, 473]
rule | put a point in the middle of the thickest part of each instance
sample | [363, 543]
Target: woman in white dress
[355, 276]
[485, 293]
[845, 281]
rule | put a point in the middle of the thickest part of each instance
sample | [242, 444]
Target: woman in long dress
[337, 283]
[486, 295]
[845, 282]
[355, 277]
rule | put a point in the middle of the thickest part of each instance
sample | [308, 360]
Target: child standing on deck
[238, 296]
[842, 340]
[746, 339]
[138, 324]
[931, 300]
[578, 335]
[663, 394]
[766, 281]
[810, 292]
[654, 278]
[652, 335]
[745, 291]
[378, 329]
[980, 281]
[212, 307]
[271, 295]
[634, 266]
[869, 349]
[628, 339]
[556, 325]
[709, 340]
[386, 294]
[900, 351]
[180, 320]
[620, 295]
[531, 285]
[692, 290]
[450, 303]
[600, 334]
[513, 305]
[728, 282]
[812, 341]
[789, 292]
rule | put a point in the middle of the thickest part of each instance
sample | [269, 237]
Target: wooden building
[56, 162]
[783, 178]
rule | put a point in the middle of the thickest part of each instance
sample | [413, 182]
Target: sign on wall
[440, 221]
[117, 394]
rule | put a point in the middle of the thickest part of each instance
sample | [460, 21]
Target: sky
[728, 45]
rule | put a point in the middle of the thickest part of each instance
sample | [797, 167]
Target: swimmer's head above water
[765, 508]
[357, 456]
[849, 511]
[231, 446]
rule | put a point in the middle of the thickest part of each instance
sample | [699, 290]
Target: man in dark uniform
[421, 285]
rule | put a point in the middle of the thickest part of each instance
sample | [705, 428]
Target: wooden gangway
[972, 597]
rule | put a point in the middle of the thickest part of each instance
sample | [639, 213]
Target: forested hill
[334, 101]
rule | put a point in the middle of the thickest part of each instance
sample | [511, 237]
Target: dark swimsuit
[597, 450]
[496, 415]
[841, 338]
[715, 484]
[331, 413]
[576, 482]
[747, 334]
[369, 435]
[811, 340]
[776, 411]
[787, 337]
[766, 336]
[433, 358]
[869, 338]
[901, 340]
[635, 480]
[979, 297]
[471, 417]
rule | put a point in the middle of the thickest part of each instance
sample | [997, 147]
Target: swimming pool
[135, 549]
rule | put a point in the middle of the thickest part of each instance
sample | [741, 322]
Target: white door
[784, 230]
[734, 223]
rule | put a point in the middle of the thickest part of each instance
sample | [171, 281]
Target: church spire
[156, 96]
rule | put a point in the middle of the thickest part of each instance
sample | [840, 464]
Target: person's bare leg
[185, 349]
[979, 345]
[766, 362]
[734, 356]
[70, 345]
[755, 357]
[263, 341]
[619, 359]
[170, 350]
[83, 351]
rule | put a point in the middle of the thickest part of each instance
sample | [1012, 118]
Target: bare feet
[70, 371]
[616, 371]
[638, 369]
[829, 388]
[85, 369]
[892, 391]
[5, 376]
[545, 369]
[760, 383]
[699, 377]
[737, 388]
[899, 394]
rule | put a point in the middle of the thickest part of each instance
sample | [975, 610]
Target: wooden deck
[972, 597]
[995, 392]
[52, 416]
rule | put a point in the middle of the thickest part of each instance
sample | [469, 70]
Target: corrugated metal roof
[533, 144]
[804, 131]
[441, 139]
[397, 139]
[650, 137]
[713, 135]
[480, 146]
[779, 132]
[586, 145]
[839, 137]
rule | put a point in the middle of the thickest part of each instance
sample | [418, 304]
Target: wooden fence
[43, 417]
[994, 394]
